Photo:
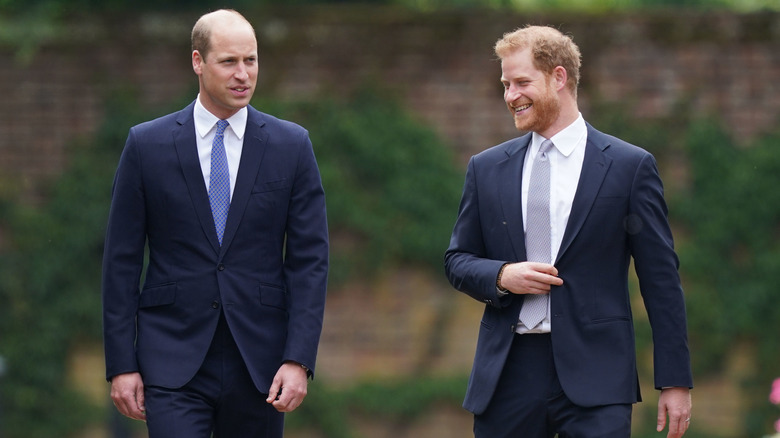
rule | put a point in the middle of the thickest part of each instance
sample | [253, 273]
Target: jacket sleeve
[123, 262]
[306, 259]
[466, 264]
[656, 264]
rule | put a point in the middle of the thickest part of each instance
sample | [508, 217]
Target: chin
[523, 126]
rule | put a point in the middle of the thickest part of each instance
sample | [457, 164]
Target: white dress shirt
[206, 129]
[566, 159]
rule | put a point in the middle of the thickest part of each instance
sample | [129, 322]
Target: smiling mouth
[521, 108]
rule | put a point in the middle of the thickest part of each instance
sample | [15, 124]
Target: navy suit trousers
[530, 403]
[220, 399]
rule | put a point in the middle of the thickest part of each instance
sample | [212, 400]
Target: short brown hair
[549, 47]
[201, 32]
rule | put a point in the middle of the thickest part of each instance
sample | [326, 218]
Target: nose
[241, 72]
[511, 94]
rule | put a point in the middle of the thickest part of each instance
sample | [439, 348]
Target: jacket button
[220, 267]
[215, 305]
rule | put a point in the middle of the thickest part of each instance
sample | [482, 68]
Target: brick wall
[442, 67]
[440, 64]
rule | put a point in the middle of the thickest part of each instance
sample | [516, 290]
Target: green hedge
[391, 184]
[730, 214]
[398, 403]
[50, 287]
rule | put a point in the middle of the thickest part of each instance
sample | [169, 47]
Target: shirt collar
[567, 139]
[205, 121]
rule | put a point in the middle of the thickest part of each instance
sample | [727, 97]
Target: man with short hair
[223, 335]
[546, 229]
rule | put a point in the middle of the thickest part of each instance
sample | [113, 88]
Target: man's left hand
[289, 387]
[676, 404]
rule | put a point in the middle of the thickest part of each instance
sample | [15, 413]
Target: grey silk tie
[537, 231]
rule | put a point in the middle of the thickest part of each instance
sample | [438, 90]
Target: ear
[197, 62]
[560, 76]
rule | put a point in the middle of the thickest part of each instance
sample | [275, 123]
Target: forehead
[518, 64]
[236, 38]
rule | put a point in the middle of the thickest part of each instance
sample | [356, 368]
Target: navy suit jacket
[268, 277]
[618, 213]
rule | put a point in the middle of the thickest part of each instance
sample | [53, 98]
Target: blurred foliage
[74, 6]
[391, 186]
[730, 212]
[392, 193]
[50, 284]
[396, 403]
[594, 5]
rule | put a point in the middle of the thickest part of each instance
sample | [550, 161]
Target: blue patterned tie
[537, 232]
[219, 181]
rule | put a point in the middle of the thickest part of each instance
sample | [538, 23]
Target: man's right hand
[530, 278]
[127, 392]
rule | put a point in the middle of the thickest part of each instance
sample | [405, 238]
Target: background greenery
[65, 6]
[383, 170]
[727, 212]
[390, 181]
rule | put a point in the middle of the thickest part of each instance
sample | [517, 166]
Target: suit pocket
[159, 295]
[486, 325]
[273, 296]
[610, 319]
[270, 186]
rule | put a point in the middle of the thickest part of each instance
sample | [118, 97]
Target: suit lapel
[248, 168]
[509, 173]
[594, 169]
[187, 150]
